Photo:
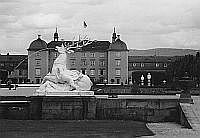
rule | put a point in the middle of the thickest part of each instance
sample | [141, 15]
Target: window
[37, 72]
[92, 62]
[101, 63]
[37, 55]
[92, 72]
[37, 62]
[118, 54]
[117, 62]
[37, 81]
[134, 64]
[20, 72]
[165, 65]
[92, 79]
[118, 81]
[56, 55]
[92, 54]
[142, 64]
[102, 55]
[84, 71]
[101, 71]
[72, 62]
[84, 63]
[83, 54]
[117, 72]
[157, 64]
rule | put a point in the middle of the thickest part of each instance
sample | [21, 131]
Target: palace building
[102, 61]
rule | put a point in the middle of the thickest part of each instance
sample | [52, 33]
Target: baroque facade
[102, 61]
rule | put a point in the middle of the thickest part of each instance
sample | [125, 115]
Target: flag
[84, 24]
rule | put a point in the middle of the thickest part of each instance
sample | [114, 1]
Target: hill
[162, 52]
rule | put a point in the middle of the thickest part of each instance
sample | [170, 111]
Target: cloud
[41, 20]
[141, 23]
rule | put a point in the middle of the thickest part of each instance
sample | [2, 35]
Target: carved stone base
[66, 93]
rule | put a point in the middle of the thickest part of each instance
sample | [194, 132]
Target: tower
[56, 35]
[114, 36]
[37, 60]
[117, 61]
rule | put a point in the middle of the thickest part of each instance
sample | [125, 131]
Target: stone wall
[150, 110]
[78, 108]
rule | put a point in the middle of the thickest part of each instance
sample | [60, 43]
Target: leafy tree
[187, 63]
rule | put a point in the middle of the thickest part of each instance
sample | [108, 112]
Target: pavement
[192, 112]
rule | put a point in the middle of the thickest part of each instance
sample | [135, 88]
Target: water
[171, 130]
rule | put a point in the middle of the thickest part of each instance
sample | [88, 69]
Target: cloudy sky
[142, 24]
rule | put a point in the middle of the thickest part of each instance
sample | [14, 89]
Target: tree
[189, 64]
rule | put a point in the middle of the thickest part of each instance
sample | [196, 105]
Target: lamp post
[186, 84]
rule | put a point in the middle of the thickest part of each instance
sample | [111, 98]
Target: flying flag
[84, 24]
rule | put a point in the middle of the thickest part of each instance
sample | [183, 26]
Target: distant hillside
[162, 52]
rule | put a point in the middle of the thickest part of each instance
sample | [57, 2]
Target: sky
[142, 24]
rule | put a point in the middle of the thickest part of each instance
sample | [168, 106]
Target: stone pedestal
[71, 105]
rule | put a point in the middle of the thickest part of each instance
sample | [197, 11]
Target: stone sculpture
[61, 78]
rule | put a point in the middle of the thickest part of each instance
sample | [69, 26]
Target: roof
[53, 44]
[37, 44]
[97, 46]
[12, 58]
[150, 59]
[118, 45]
[94, 46]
